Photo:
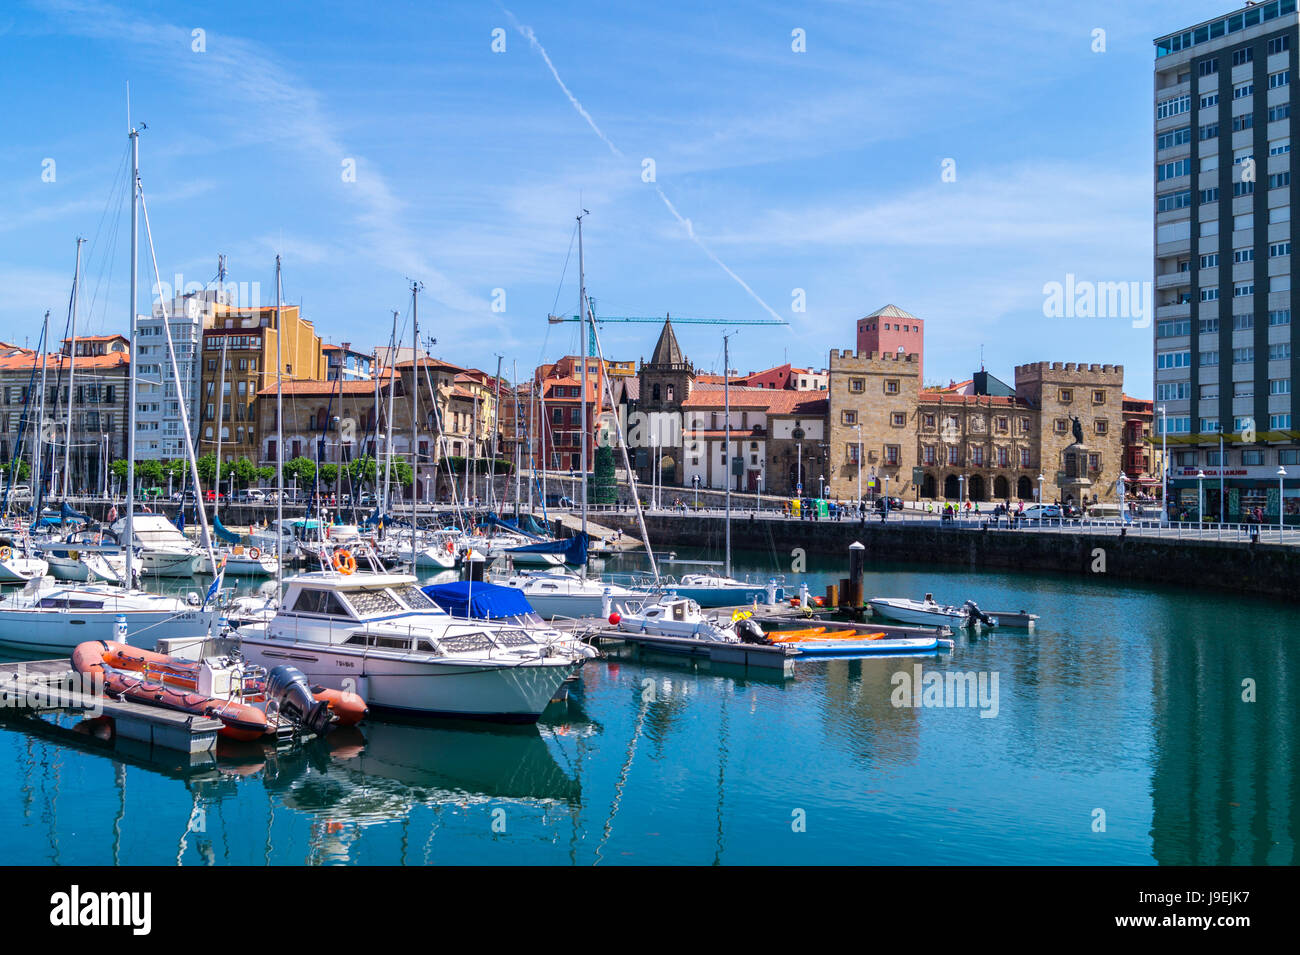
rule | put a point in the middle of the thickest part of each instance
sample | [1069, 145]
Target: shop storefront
[1248, 494]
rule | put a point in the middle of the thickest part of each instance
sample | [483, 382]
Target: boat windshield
[370, 603]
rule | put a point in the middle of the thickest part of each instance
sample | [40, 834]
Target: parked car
[1042, 512]
[365, 498]
[21, 492]
[210, 496]
[895, 503]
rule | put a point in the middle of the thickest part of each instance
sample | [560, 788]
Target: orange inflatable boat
[249, 702]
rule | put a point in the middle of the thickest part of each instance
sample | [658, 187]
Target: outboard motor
[974, 613]
[751, 632]
[288, 689]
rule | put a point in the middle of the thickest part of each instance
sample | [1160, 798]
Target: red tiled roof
[316, 386]
[772, 400]
[20, 361]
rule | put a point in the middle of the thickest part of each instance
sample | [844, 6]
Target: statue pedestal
[1075, 483]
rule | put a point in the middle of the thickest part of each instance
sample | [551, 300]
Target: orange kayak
[819, 634]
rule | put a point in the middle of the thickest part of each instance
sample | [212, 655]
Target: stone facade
[1092, 393]
[880, 393]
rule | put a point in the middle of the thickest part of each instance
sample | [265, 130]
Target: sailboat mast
[38, 451]
[279, 436]
[72, 368]
[726, 439]
[129, 536]
[388, 438]
[221, 419]
[415, 407]
[582, 343]
[494, 435]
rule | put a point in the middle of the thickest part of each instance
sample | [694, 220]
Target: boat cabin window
[679, 611]
[467, 643]
[71, 603]
[320, 601]
[371, 602]
[414, 597]
[381, 642]
[424, 646]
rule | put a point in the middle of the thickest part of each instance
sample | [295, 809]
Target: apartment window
[1004, 459]
[1242, 90]
[1279, 422]
[928, 421]
[1244, 121]
[954, 454]
[1002, 425]
[1094, 462]
[857, 384]
[1279, 350]
[891, 386]
[977, 457]
[1279, 179]
[1173, 327]
[1209, 132]
[1278, 44]
[851, 452]
[1208, 100]
[1241, 322]
[1242, 356]
[1288, 457]
[1279, 79]
[1066, 395]
[1059, 425]
[1243, 188]
[898, 419]
[1252, 458]
[1172, 170]
[1242, 56]
[1243, 255]
[1279, 248]
[1175, 137]
[1100, 426]
[1208, 358]
[1281, 111]
[1280, 317]
[1024, 457]
[1279, 147]
[1173, 391]
[1209, 426]
[1242, 289]
[1210, 261]
[1279, 386]
[848, 417]
[1173, 359]
[1210, 195]
[1210, 294]
[1174, 200]
[891, 454]
[1243, 389]
[1209, 67]
[1098, 397]
[927, 454]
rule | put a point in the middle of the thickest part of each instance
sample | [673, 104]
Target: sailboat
[44, 617]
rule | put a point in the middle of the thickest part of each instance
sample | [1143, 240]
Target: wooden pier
[42, 686]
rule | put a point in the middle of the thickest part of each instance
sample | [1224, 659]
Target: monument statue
[1078, 429]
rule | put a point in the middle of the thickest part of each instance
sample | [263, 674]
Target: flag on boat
[216, 583]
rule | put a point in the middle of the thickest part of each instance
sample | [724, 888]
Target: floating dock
[42, 686]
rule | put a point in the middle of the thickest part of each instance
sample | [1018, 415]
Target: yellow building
[248, 338]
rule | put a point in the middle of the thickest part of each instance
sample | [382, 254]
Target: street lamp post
[858, 427]
[1122, 509]
[1164, 466]
[1222, 468]
[886, 479]
[1281, 476]
[961, 492]
[1200, 498]
[1040, 489]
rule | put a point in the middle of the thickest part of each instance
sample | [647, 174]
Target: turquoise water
[1125, 700]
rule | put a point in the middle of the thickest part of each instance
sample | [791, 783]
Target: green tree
[118, 469]
[403, 473]
[208, 469]
[24, 469]
[328, 474]
[304, 469]
[266, 473]
[363, 469]
[150, 473]
[245, 471]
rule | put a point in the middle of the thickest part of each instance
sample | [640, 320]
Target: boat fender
[614, 618]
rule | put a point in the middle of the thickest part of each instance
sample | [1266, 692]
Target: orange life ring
[5, 553]
[345, 563]
[254, 552]
[450, 547]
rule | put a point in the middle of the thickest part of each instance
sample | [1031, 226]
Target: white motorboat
[472, 600]
[558, 594]
[928, 613]
[18, 561]
[83, 557]
[164, 551]
[379, 635]
[716, 590]
[240, 561]
[46, 616]
[674, 616]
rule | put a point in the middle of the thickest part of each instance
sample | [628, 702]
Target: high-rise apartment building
[1224, 195]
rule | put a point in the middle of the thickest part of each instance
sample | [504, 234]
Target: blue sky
[818, 170]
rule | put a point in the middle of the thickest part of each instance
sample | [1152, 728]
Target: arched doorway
[667, 470]
[951, 488]
[1024, 489]
[928, 486]
[1001, 488]
[976, 486]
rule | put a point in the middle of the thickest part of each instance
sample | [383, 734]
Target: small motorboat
[928, 613]
[250, 702]
[674, 616]
[17, 563]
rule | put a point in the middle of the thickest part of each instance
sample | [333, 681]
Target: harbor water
[1133, 726]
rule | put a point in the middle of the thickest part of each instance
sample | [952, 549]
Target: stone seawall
[1267, 569]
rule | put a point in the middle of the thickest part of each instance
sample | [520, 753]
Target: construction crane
[591, 344]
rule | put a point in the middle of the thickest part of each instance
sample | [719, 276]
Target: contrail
[690, 231]
[527, 33]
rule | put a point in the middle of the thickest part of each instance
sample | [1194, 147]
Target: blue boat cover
[230, 537]
[479, 600]
[66, 513]
[492, 520]
[529, 524]
[573, 549]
